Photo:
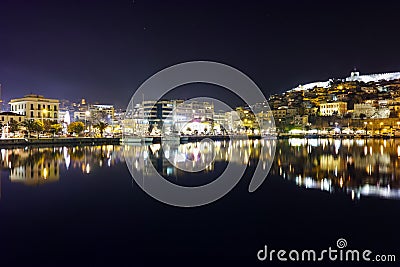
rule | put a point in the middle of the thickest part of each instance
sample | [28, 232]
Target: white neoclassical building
[36, 107]
[333, 108]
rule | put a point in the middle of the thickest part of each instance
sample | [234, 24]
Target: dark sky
[103, 50]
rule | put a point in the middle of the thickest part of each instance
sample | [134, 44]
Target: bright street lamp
[44, 111]
[87, 114]
[365, 125]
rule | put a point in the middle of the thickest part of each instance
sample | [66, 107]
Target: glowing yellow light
[45, 173]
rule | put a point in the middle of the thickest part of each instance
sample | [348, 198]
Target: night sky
[103, 50]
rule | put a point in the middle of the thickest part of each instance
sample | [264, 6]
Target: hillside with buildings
[358, 101]
[368, 103]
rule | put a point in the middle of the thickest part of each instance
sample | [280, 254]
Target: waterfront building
[7, 117]
[188, 111]
[104, 110]
[291, 112]
[333, 108]
[174, 115]
[81, 115]
[266, 122]
[300, 120]
[367, 109]
[158, 113]
[279, 113]
[36, 107]
[64, 116]
[233, 121]
[311, 111]
[381, 113]
[248, 119]
[220, 120]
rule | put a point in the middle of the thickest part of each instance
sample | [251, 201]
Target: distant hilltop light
[354, 76]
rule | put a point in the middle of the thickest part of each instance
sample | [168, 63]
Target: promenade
[59, 141]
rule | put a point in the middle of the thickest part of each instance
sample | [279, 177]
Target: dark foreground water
[78, 206]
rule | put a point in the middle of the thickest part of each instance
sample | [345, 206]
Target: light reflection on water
[40, 165]
[355, 167]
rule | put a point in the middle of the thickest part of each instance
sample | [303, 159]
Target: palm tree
[101, 126]
[29, 125]
[32, 126]
[14, 126]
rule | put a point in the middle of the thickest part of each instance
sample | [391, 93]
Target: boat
[311, 135]
[171, 138]
[269, 136]
[147, 139]
[184, 139]
[130, 140]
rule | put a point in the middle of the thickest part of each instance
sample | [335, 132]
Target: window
[2, 118]
[19, 118]
[48, 107]
[38, 106]
[31, 114]
[55, 115]
[55, 107]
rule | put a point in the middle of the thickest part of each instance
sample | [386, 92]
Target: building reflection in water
[197, 156]
[356, 167]
[41, 165]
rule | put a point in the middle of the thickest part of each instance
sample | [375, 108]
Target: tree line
[38, 126]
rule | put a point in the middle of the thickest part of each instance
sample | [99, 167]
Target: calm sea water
[79, 206]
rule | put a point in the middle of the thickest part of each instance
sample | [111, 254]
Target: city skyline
[108, 49]
[311, 108]
[355, 75]
[199, 132]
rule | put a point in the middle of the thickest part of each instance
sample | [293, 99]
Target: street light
[365, 123]
[372, 128]
[44, 111]
[87, 114]
[396, 131]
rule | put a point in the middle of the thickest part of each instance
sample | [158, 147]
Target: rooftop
[34, 97]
